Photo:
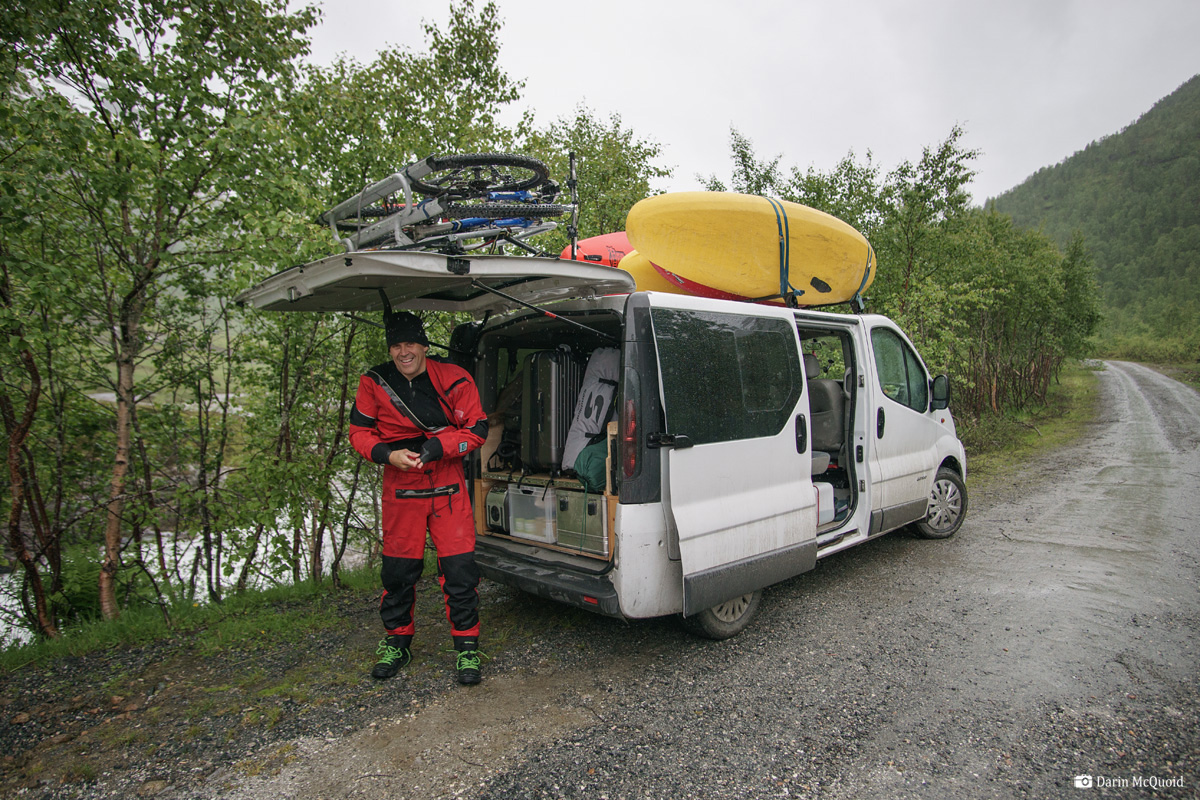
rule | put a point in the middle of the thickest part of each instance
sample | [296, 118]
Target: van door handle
[801, 434]
[880, 418]
[679, 441]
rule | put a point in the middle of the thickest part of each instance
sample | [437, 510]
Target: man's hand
[405, 460]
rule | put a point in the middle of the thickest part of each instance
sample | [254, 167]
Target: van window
[901, 376]
[833, 352]
[726, 376]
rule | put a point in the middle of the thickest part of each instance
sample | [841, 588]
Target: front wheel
[947, 506]
[476, 174]
[725, 620]
[505, 211]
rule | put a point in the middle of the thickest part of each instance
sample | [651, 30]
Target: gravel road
[1055, 636]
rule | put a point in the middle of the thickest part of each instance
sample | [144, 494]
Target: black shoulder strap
[383, 376]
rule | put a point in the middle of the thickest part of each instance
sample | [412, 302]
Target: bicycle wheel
[498, 211]
[471, 175]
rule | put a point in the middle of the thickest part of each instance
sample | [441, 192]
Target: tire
[947, 506]
[467, 211]
[725, 620]
[514, 210]
[474, 175]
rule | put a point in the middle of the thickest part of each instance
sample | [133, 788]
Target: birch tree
[173, 106]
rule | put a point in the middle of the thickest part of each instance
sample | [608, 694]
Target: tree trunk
[316, 564]
[126, 351]
[244, 575]
[18, 431]
[19, 490]
[109, 566]
[339, 549]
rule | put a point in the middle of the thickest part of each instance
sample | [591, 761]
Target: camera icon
[1083, 781]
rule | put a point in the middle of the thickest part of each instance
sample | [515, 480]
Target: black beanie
[404, 326]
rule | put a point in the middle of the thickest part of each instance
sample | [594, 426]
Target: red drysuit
[434, 498]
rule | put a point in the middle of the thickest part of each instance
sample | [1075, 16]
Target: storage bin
[582, 522]
[531, 512]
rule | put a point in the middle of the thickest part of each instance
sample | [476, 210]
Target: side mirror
[939, 390]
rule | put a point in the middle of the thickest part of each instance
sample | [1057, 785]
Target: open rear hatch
[431, 282]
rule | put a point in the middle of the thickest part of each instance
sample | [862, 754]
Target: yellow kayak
[721, 244]
[647, 278]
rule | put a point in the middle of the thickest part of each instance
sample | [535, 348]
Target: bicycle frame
[415, 225]
[505, 229]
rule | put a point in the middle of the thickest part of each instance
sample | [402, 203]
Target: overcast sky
[1029, 81]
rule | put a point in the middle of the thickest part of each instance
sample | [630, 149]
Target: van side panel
[708, 588]
[647, 581]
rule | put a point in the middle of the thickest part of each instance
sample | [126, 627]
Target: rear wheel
[476, 174]
[947, 506]
[725, 620]
[505, 211]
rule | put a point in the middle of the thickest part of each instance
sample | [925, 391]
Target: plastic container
[531, 512]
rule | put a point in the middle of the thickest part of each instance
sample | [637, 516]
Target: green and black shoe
[467, 664]
[468, 658]
[392, 659]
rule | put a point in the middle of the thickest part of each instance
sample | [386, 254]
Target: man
[419, 417]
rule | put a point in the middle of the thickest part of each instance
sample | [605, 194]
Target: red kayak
[606, 250]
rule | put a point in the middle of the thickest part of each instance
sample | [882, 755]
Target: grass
[247, 620]
[999, 445]
[80, 772]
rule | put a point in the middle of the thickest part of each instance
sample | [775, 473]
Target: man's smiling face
[409, 358]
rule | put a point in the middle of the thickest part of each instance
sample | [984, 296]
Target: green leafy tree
[998, 308]
[852, 192]
[300, 486]
[357, 124]
[171, 104]
[924, 202]
[52, 462]
[750, 175]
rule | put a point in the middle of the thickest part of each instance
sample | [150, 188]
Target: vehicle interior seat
[827, 404]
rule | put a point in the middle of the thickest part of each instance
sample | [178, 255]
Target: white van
[746, 441]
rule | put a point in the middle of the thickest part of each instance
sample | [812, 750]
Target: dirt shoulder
[166, 716]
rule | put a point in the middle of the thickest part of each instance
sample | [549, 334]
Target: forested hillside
[1135, 197]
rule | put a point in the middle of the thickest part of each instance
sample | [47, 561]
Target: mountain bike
[487, 199]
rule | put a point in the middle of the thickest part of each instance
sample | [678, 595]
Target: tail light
[629, 441]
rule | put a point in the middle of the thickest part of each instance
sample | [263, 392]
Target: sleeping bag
[593, 409]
